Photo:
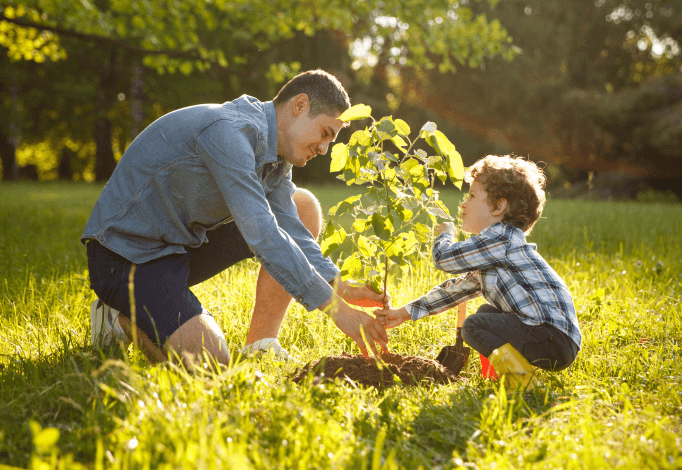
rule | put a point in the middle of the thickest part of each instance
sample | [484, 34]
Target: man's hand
[446, 227]
[353, 323]
[392, 317]
[362, 296]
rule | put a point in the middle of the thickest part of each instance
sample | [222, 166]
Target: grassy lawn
[63, 405]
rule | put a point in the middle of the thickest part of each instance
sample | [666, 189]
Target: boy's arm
[445, 296]
[478, 252]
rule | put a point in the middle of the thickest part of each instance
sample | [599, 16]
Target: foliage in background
[383, 225]
[597, 86]
[128, 48]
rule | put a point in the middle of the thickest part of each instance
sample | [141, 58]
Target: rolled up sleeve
[286, 213]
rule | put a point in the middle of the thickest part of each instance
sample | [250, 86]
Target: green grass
[618, 406]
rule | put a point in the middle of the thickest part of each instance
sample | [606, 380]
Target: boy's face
[477, 213]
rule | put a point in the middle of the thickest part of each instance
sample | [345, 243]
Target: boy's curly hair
[519, 181]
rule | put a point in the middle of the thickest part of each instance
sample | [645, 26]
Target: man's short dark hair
[325, 92]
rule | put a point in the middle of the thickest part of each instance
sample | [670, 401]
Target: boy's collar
[502, 228]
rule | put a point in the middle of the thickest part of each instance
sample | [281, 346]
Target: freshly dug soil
[412, 370]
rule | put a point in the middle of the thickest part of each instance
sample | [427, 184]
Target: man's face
[308, 136]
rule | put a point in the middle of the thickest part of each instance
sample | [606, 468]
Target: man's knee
[201, 334]
[309, 210]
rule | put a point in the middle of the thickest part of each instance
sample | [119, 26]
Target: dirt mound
[412, 370]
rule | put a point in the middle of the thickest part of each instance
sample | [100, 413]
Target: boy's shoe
[507, 361]
[105, 328]
[265, 345]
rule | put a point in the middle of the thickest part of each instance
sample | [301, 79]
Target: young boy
[529, 317]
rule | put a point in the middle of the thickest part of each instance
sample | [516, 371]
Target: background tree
[595, 88]
[237, 46]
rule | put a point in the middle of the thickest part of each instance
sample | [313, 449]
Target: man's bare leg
[272, 300]
[200, 334]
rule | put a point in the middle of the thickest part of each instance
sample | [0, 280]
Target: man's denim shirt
[198, 167]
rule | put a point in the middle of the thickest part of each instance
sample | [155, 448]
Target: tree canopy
[228, 47]
[595, 87]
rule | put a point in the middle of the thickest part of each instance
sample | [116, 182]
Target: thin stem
[385, 274]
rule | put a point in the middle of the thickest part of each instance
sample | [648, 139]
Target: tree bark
[8, 156]
[65, 169]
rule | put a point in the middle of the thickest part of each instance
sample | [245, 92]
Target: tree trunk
[10, 142]
[65, 169]
[104, 160]
[8, 156]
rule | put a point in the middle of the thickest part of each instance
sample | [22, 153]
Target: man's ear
[501, 207]
[300, 104]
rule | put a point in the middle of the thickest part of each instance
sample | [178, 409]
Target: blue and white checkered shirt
[510, 274]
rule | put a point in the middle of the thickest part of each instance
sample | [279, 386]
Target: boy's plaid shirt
[510, 274]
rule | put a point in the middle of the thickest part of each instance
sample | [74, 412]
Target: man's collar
[271, 116]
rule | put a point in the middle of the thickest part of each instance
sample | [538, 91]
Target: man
[201, 189]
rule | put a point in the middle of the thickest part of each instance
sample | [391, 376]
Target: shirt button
[300, 299]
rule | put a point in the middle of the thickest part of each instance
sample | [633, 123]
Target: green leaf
[395, 246]
[427, 130]
[360, 225]
[329, 230]
[455, 168]
[403, 212]
[354, 113]
[422, 231]
[438, 212]
[391, 157]
[399, 142]
[386, 129]
[344, 206]
[375, 284]
[412, 243]
[363, 138]
[339, 157]
[351, 267]
[366, 248]
[382, 226]
[332, 242]
[409, 164]
[402, 127]
[443, 207]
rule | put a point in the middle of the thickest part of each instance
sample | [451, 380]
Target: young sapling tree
[382, 223]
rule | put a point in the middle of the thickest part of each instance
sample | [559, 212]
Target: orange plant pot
[487, 370]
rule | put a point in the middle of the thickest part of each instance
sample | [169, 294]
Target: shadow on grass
[462, 423]
[76, 390]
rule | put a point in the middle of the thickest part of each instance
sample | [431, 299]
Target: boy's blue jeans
[543, 345]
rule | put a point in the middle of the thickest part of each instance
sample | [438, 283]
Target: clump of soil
[412, 370]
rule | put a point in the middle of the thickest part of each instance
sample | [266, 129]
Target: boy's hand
[362, 296]
[391, 317]
[446, 227]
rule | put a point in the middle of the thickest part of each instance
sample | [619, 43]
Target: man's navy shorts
[163, 300]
